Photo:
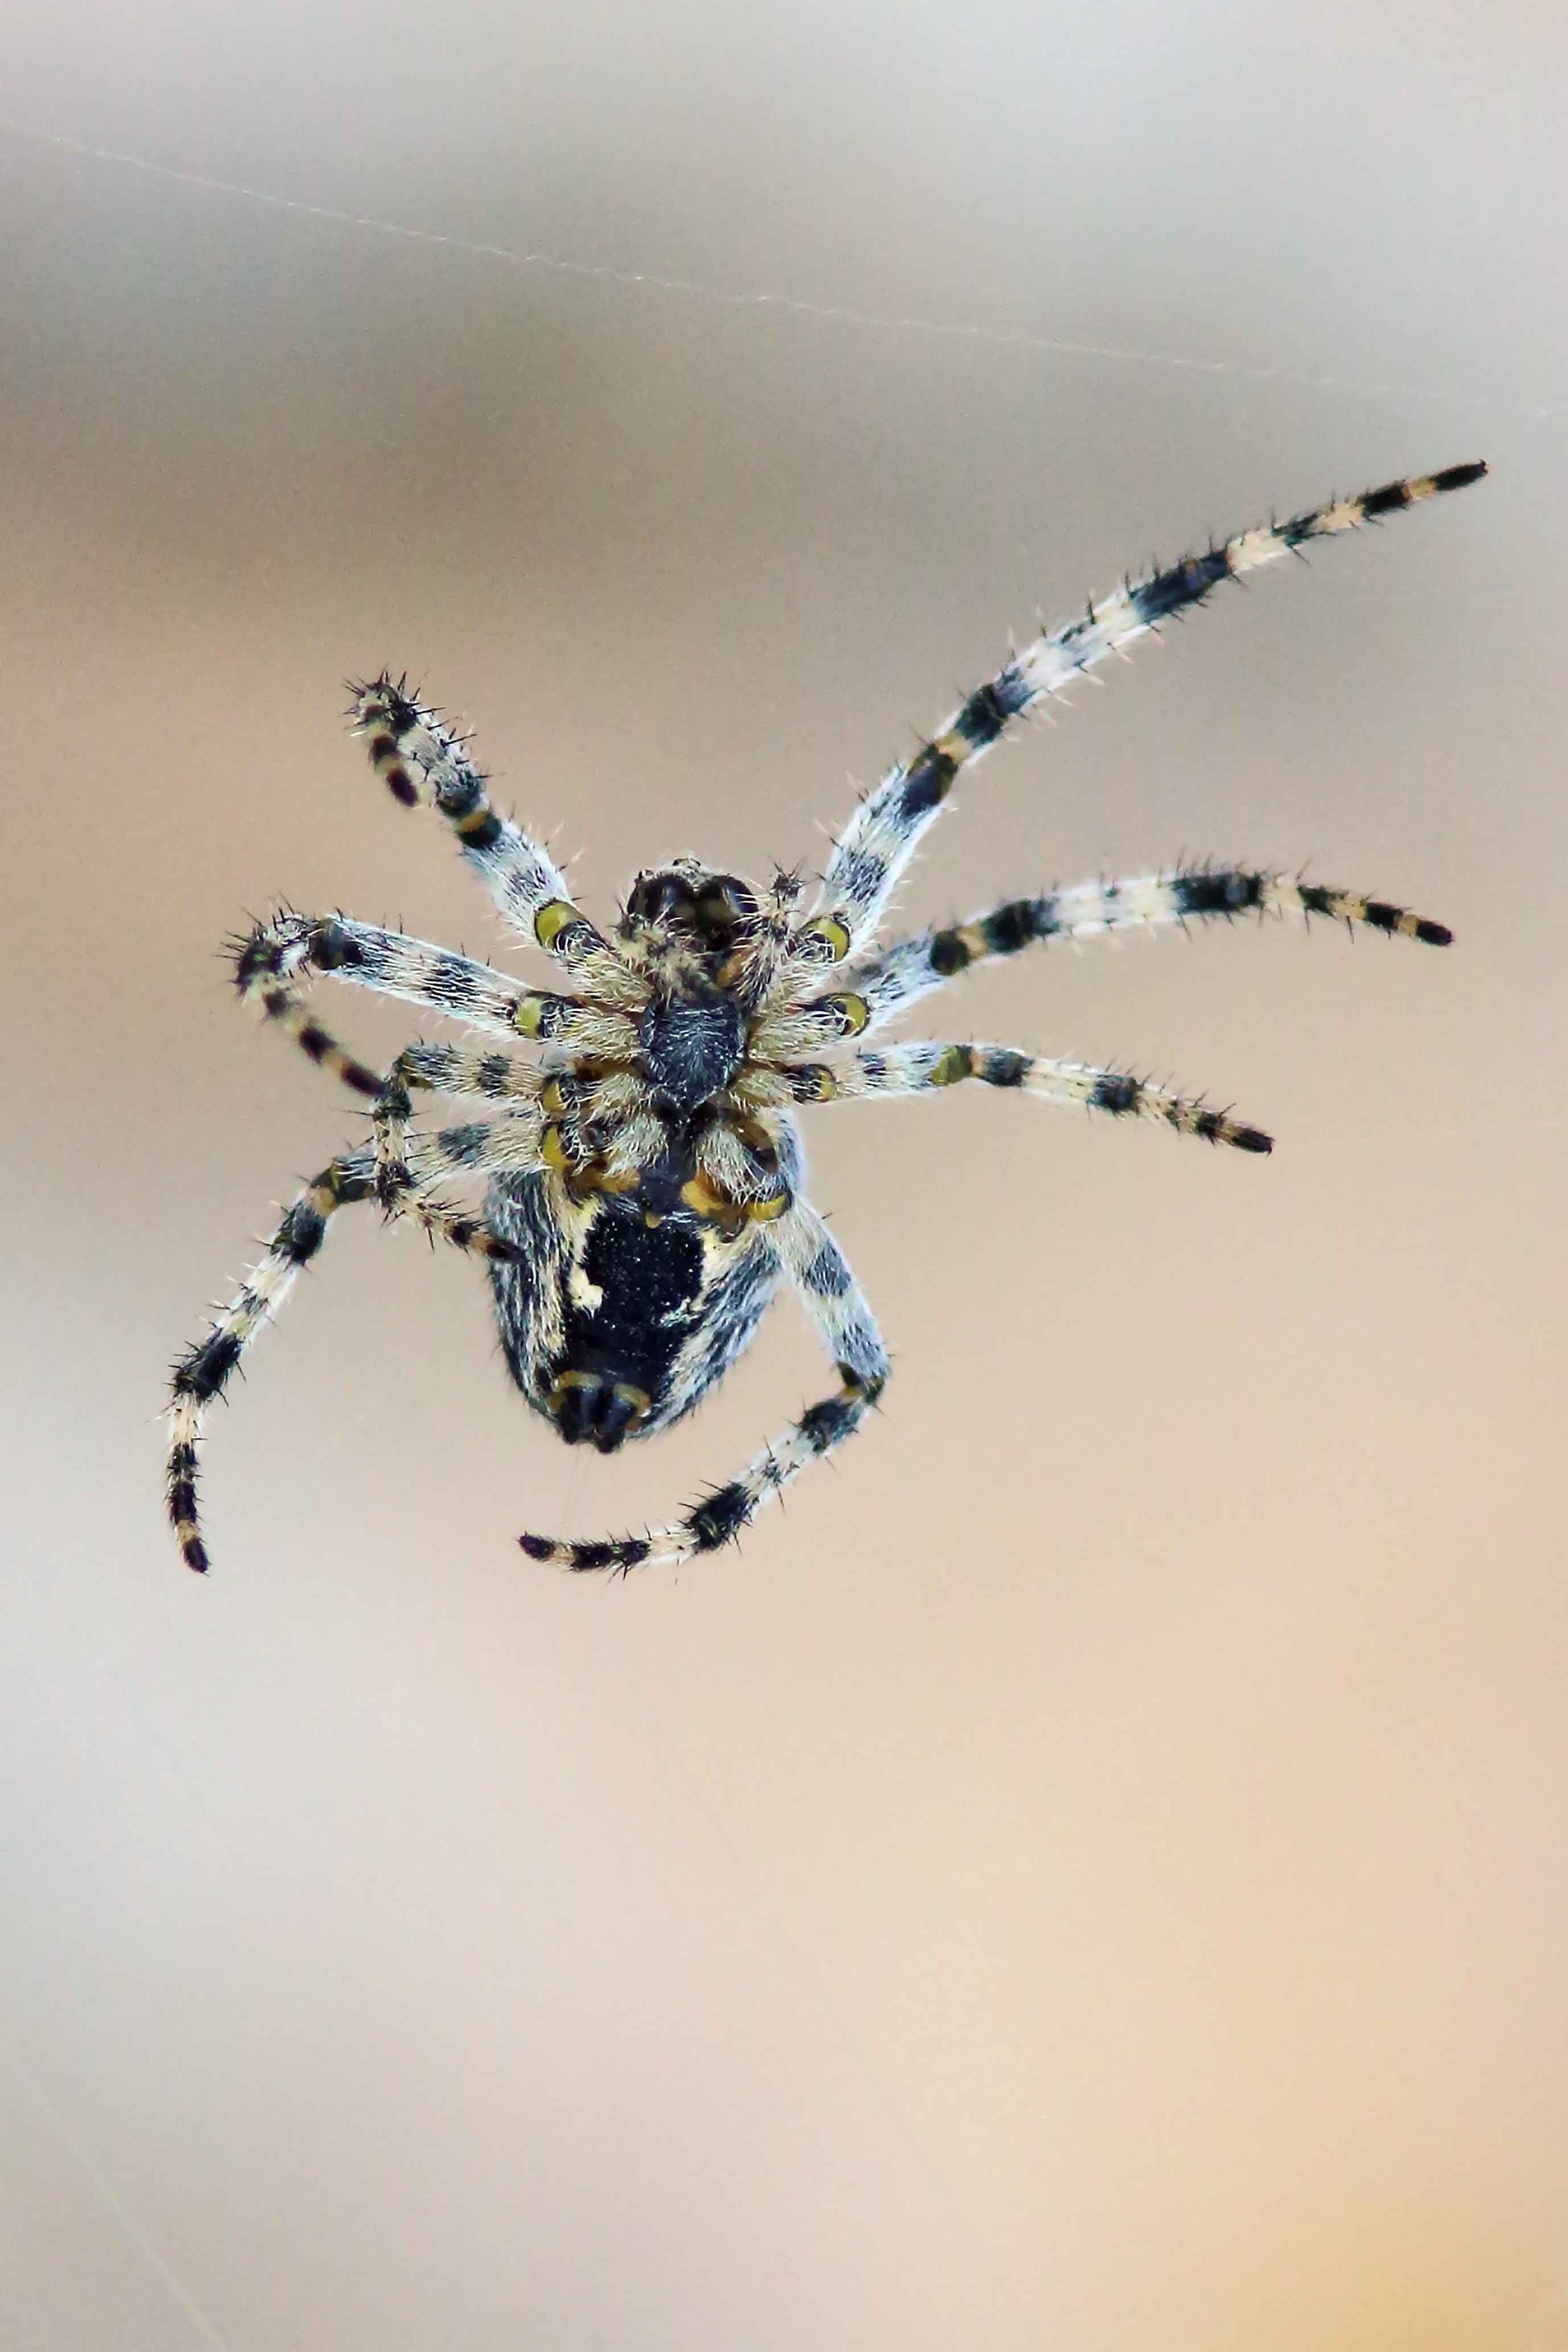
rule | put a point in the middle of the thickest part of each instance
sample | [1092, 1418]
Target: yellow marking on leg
[954, 748]
[552, 920]
[832, 933]
[712, 1208]
[853, 1011]
[956, 1063]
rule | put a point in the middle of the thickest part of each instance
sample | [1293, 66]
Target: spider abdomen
[614, 1323]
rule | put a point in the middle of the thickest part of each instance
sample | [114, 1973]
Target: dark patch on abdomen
[648, 1275]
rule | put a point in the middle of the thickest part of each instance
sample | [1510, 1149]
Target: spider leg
[876, 846]
[293, 943]
[263, 971]
[885, 979]
[809, 1254]
[417, 757]
[924, 1065]
[448, 1070]
[292, 947]
[406, 1166]
[204, 1371]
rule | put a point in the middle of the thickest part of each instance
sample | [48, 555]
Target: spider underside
[643, 1166]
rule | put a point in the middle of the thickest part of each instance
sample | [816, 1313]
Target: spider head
[690, 906]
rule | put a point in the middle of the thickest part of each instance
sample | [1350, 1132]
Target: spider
[644, 1179]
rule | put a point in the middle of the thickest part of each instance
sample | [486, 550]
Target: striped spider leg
[887, 979]
[931, 1064]
[876, 845]
[203, 1374]
[417, 756]
[270, 965]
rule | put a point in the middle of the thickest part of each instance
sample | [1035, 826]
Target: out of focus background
[1090, 1872]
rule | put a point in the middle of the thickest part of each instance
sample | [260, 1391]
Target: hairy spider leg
[512, 1145]
[416, 757]
[887, 979]
[298, 947]
[927, 1065]
[876, 844]
[262, 978]
[447, 1070]
[508, 1146]
[202, 1373]
[808, 1254]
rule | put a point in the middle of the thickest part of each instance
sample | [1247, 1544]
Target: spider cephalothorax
[644, 1172]
[692, 934]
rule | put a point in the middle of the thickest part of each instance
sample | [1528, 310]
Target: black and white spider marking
[645, 1175]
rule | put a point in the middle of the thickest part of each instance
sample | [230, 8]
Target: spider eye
[659, 898]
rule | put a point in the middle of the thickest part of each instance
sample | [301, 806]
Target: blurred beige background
[1092, 1872]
